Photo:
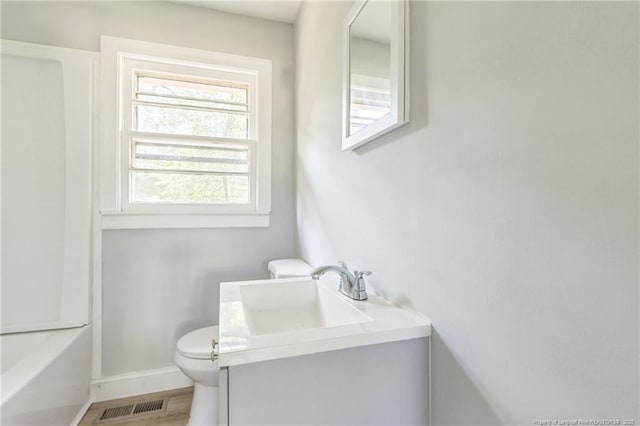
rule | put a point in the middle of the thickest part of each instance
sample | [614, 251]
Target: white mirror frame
[399, 114]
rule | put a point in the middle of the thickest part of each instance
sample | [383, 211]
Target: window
[189, 138]
[370, 100]
[192, 136]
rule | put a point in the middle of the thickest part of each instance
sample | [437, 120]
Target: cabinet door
[384, 384]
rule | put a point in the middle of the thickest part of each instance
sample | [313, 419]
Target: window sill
[178, 221]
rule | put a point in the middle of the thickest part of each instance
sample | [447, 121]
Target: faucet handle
[359, 286]
[359, 274]
[342, 264]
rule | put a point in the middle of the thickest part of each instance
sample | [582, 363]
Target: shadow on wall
[455, 399]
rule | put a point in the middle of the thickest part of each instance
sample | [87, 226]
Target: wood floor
[176, 412]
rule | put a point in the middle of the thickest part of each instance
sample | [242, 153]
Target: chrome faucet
[352, 285]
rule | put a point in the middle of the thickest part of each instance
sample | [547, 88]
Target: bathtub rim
[26, 370]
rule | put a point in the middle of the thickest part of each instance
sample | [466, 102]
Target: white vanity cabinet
[298, 352]
[383, 384]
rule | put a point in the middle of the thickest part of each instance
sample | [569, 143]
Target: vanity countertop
[271, 319]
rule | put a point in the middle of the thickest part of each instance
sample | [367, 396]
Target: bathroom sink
[280, 318]
[287, 306]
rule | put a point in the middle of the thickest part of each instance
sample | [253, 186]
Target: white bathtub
[44, 376]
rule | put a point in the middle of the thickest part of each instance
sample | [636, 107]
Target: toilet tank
[289, 268]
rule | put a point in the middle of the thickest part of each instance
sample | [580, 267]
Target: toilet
[193, 353]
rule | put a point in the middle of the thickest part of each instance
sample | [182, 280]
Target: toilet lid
[197, 344]
[289, 268]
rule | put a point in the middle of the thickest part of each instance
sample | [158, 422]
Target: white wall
[159, 284]
[506, 211]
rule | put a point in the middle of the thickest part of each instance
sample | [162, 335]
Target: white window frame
[119, 58]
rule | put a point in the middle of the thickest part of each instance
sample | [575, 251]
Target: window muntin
[190, 157]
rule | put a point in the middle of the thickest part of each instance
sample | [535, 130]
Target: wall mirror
[375, 79]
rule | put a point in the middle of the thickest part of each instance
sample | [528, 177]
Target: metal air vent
[132, 411]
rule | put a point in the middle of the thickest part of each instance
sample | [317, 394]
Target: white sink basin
[298, 305]
[271, 319]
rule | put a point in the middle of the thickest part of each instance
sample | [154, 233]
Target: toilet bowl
[193, 354]
[193, 357]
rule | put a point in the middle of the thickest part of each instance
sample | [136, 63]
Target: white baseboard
[138, 383]
[81, 413]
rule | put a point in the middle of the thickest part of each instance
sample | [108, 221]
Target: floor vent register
[132, 411]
